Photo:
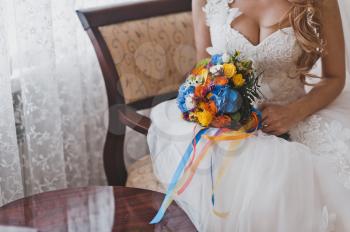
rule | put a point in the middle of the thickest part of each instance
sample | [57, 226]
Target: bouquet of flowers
[220, 92]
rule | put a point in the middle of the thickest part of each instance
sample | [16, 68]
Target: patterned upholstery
[151, 55]
[140, 175]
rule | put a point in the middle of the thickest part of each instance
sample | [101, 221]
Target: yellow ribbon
[229, 136]
[225, 165]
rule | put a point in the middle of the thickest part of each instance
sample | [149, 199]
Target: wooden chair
[144, 50]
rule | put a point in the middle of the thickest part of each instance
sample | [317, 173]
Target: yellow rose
[229, 70]
[204, 118]
[238, 80]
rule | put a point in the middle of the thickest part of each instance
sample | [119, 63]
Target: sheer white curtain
[53, 138]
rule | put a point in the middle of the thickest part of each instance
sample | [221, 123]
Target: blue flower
[216, 59]
[184, 92]
[226, 99]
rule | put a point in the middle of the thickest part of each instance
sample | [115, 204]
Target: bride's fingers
[264, 115]
[265, 126]
[271, 126]
[268, 128]
[265, 122]
[266, 112]
[269, 131]
[274, 129]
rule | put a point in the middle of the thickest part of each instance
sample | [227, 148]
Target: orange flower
[220, 80]
[207, 81]
[197, 71]
[208, 106]
[209, 95]
[221, 121]
[212, 107]
[199, 91]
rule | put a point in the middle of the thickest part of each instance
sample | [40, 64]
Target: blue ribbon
[179, 170]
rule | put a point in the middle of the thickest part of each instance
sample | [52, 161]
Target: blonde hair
[304, 16]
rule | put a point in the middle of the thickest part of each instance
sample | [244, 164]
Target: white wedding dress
[271, 184]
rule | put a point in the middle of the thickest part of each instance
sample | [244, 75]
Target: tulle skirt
[266, 184]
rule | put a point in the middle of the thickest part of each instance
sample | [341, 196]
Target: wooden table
[94, 209]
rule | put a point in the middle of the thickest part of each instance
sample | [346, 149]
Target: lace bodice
[275, 56]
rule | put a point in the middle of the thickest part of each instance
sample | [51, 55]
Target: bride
[270, 184]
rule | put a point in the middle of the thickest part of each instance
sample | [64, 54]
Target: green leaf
[236, 116]
[203, 62]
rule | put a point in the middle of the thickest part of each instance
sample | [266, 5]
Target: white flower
[194, 80]
[216, 68]
[225, 57]
[199, 80]
[190, 103]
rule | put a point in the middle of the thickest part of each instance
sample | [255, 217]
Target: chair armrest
[134, 120]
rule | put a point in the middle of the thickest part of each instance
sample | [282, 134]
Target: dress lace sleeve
[216, 11]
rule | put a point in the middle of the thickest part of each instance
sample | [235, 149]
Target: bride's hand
[277, 119]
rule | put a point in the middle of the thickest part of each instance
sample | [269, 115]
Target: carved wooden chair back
[144, 50]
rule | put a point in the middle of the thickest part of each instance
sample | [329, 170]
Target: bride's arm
[282, 118]
[201, 30]
[333, 63]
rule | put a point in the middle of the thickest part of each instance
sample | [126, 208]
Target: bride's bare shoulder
[201, 31]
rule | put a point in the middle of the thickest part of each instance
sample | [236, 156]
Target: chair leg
[113, 158]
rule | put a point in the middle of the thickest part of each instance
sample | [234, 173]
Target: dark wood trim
[113, 154]
[113, 159]
[97, 17]
[134, 120]
[111, 77]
